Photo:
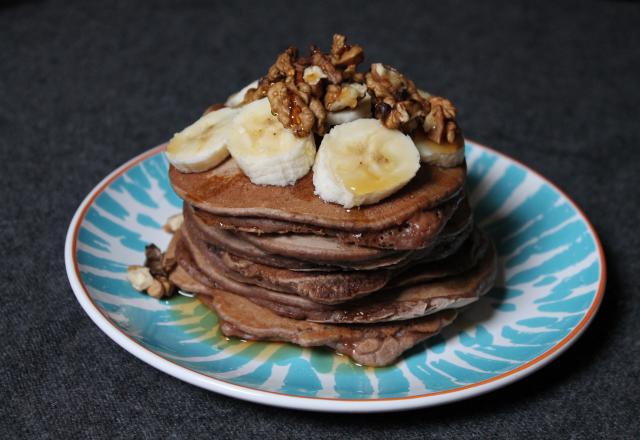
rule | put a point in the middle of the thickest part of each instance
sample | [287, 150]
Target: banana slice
[236, 99]
[266, 151]
[443, 155]
[202, 145]
[363, 110]
[362, 162]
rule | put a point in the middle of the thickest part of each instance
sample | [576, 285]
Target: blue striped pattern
[550, 273]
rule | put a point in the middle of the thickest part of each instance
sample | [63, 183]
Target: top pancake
[225, 190]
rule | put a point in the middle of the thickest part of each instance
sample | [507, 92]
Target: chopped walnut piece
[324, 62]
[343, 54]
[283, 67]
[153, 260]
[321, 116]
[343, 96]
[397, 102]
[139, 277]
[338, 44]
[161, 288]
[256, 93]
[448, 108]
[173, 223]
[332, 95]
[313, 75]
[309, 78]
[291, 108]
[439, 123]
[351, 74]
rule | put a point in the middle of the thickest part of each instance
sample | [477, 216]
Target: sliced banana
[363, 110]
[202, 145]
[443, 155]
[362, 162]
[266, 151]
[236, 99]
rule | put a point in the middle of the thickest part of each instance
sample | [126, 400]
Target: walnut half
[291, 109]
[439, 124]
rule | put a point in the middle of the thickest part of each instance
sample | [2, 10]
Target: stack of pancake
[279, 264]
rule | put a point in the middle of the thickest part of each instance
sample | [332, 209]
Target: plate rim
[324, 404]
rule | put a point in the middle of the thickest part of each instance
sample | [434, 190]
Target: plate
[551, 282]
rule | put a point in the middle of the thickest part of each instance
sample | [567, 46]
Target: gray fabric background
[84, 86]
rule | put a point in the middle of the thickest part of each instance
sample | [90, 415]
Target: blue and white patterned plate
[551, 283]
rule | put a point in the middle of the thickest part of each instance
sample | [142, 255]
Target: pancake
[342, 285]
[418, 231]
[326, 253]
[466, 257]
[258, 225]
[320, 286]
[237, 245]
[226, 191]
[372, 345]
[348, 285]
[312, 248]
[395, 303]
[411, 236]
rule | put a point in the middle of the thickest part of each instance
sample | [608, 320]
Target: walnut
[153, 277]
[173, 223]
[439, 123]
[313, 75]
[161, 288]
[397, 116]
[139, 277]
[397, 102]
[153, 260]
[387, 82]
[309, 79]
[331, 95]
[340, 97]
[284, 65]
[284, 69]
[321, 116]
[259, 92]
[338, 44]
[447, 106]
[343, 54]
[351, 74]
[324, 62]
[291, 108]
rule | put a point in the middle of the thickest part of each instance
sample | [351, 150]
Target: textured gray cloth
[84, 86]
